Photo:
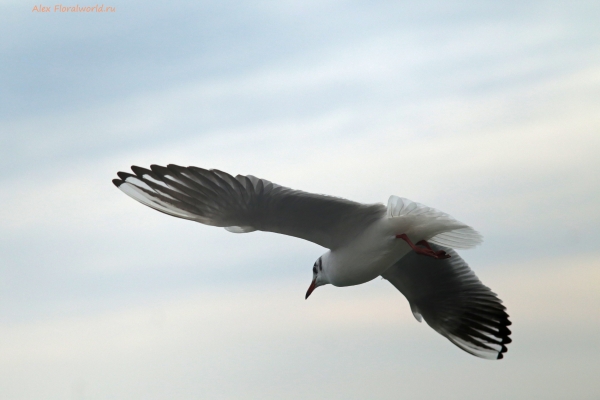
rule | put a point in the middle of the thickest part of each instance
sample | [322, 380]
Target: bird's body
[370, 253]
[365, 257]
[407, 243]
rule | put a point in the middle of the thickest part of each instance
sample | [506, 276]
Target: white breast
[367, 256]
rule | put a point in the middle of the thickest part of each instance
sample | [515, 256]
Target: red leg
[424, 243]
[440, 254]
[426, 250]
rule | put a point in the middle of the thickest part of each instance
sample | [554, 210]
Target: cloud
[265, 329]
[486, 112]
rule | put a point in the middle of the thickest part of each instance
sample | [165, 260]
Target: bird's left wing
[246, 203]
[453, 301]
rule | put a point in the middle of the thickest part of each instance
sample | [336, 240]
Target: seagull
[407, 243]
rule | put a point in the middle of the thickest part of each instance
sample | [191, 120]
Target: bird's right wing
[246, 203]
[453, 301]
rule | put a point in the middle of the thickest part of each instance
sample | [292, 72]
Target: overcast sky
[489, 111]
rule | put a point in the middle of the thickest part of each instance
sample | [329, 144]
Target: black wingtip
[175, 166]
[125, 175]
[117, 182]
[501, 353]
[140, 172]
[137, 170]
[159, 170]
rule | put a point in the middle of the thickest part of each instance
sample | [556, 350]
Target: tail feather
[454, 233]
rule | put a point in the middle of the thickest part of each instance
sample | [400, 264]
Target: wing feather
[245, 203]
[453, 301]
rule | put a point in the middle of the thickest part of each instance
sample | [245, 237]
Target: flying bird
[407, 243]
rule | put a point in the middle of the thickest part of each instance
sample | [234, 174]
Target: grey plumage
[453, 301]
[247, 203]
[444, 292]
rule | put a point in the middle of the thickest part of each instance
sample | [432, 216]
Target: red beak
[312, 287]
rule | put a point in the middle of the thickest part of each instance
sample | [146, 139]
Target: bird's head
[319, 275]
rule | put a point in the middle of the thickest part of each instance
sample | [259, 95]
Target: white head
[319, 274]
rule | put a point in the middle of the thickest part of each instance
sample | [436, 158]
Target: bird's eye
[315, 269]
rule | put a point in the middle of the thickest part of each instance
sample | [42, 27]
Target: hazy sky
[488, 111]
